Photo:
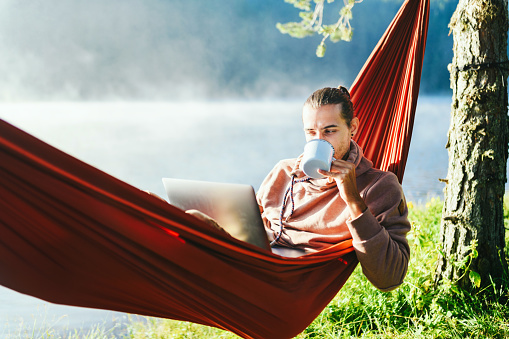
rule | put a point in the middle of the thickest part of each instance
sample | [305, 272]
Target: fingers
[155, 195]
[200, 215]
[344, 174]
[339, 169]
[204, 217]
[342, 165]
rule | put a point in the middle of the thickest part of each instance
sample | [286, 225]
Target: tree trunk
[477, 146]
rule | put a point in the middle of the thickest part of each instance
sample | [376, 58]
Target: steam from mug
[318, 154]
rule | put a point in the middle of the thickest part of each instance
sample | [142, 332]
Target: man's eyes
[326, 131]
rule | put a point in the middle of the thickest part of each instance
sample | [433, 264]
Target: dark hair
[333, 96]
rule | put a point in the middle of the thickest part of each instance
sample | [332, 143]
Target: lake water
[219, 141]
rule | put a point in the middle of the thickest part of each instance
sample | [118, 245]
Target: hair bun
[344, 90]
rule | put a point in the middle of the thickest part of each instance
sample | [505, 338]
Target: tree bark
[477, 145]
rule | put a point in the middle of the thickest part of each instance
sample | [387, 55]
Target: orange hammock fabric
[74, 235]
[386, 89]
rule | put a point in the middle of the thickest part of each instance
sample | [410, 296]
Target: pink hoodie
[321, 219]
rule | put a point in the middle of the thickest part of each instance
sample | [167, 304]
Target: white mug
[318, 154]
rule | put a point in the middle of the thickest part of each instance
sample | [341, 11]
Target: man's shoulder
[283, 168]
[380, 177]
[380, 173]
[380, 184]
[286, 163]
[278, 177]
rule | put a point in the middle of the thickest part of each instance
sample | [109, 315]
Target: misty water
[141, 143]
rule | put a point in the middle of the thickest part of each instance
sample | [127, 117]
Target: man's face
[327, 123]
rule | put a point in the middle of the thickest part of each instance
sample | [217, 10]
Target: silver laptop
[233, 206]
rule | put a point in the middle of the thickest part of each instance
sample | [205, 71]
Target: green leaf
[348, 34]
[475, 278]
[320, 50]
[328, 29]
[311, 25]
[294, 29]
[455, 289]
[342, 33]
[336, 36]
[346, 12]
[306, 16]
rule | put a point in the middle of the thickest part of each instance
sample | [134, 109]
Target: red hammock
[71, 234]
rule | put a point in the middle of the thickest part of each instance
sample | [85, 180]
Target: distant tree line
[261, 51]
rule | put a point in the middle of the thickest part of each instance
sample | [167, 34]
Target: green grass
[415, 310]
[99, 331]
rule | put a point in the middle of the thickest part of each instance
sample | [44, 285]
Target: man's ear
[354, 125]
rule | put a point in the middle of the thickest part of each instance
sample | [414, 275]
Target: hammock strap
[504, 65]
[501, 66]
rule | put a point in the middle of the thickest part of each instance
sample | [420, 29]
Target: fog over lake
[160, 50]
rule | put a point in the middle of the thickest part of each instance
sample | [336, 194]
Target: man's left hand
[343, 172]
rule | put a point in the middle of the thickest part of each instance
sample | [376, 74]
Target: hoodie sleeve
[379, 234]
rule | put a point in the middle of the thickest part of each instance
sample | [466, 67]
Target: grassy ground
[414, 310]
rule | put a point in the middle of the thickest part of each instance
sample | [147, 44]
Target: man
[353, 198]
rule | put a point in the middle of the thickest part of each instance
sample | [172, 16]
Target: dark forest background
[191, 50]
